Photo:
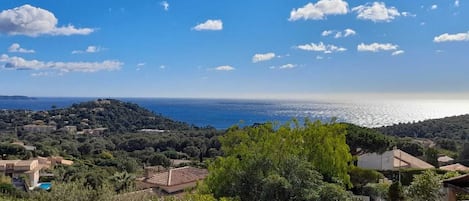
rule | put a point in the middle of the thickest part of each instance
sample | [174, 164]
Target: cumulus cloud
[19, 63]
[209, 25]
[349, 32]
[319, 10]
[225, 68]
[89, 49]
[339, 34]
[398, 52]
[321, 47]
[376, 47]
[376, 12]
[165, 5]
[33, 21]
[434, 7]
[287, 66]
[16, 48]
[446, 37]
[263, 57]
[327, 32]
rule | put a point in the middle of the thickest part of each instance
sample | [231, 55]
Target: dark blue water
[218, 113]
[221, 113]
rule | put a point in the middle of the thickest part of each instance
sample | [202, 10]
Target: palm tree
[123, 181]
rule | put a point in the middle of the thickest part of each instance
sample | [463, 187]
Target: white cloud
[33, 21]
[225, 68]
[408, 14]
[321, 47]
[376, 12]
[263, 57]
[451, 37]
[18, 63]
[327, 32]
[40, 74]
[319, 57]
[398, 52]
[456, 3]
[349, 32]
[319, 10]
[339, 34]
[89, 49]
[434, 7]
[287, 66]
[141, 64]
[376, 47]
[162, 67]
[15, 47]
[209, 25]
[165, 5]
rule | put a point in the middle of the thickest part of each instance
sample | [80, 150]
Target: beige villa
[16, 168]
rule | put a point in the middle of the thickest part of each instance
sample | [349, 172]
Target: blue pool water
[45, 186]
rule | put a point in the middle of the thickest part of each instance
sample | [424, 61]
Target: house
[16, 168]
[51, 161]
[445, 160]
[39, 128]
[456, 185]
[455, 167]
[391, 160]
[26, 147]
[175, 180]
[70, 129]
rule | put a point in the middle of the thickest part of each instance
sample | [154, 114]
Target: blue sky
[236, 49]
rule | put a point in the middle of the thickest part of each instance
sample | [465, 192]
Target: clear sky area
[233, 49]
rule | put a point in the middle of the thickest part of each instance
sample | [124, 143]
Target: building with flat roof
[16, 168]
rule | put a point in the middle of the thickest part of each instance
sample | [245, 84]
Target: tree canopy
[265, 162]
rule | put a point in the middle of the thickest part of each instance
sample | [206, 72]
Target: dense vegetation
[456, 128]
[116, 116]
[312, 161]
[263, 162]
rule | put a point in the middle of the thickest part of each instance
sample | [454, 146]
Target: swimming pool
[45, 186]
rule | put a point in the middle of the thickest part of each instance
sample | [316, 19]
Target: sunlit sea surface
[223, 113]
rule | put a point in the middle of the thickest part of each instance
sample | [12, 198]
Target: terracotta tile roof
[411, 161]
[455, 167]
[445, 159]
[177, 179]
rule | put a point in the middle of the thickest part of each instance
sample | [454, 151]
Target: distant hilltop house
[69, 129]
[391, 160]
[26, 147]
[172, 181]
[102, 102]
[147, 130]
[96, 131]
[39, 128]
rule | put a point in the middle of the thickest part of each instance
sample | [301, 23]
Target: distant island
[3, 97]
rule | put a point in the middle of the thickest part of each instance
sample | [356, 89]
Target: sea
[224, 113]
